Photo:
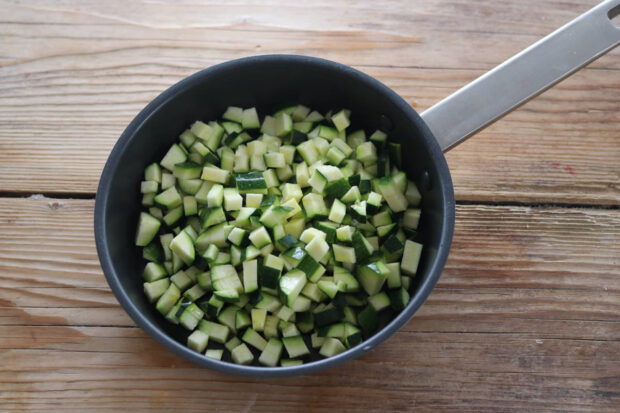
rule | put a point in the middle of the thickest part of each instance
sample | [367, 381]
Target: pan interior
[267, 83]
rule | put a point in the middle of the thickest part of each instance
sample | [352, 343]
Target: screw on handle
[524, 76]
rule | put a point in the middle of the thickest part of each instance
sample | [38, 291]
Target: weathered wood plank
[71, 79]
[525, 317]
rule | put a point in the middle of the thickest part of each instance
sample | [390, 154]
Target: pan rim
[424, 290]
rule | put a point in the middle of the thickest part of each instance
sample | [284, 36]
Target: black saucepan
[267, 82]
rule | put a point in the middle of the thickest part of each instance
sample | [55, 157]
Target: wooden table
[526, 315]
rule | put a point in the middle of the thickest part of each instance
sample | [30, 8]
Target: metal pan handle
[524, 76]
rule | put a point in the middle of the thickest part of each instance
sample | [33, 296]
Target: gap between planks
[78, 195]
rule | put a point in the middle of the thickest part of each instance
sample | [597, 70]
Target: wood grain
[525, 317]
[73, 75]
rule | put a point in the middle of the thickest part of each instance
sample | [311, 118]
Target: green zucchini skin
[275, 238]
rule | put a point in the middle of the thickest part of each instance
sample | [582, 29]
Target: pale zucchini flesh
[271, 236]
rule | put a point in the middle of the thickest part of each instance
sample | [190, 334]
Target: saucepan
[267, 81]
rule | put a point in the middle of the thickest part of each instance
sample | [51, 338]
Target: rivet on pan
[425, 181]
[385, 123]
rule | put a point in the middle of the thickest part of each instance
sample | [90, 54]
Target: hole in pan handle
[524, 76]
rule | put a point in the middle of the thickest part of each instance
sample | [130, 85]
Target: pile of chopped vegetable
[267, 240]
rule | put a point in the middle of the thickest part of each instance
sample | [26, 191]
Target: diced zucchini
[345, 234]
[271, 353]
[363, 249]
[227, 296]
[190, 206]
[154, 290]
[313, 292]
[328, 315]
[181, 280]
[394, 277]
[211, 216]
[234, 114]
[173, 216]
[225, 278]
[232, 343]
[379, 138]
[170, 198]
[301, 304]
[190, 317]
[368, 320]
[153, 272]
[400, 181]
[254, 339]
[329, 288]
[344, 254]
[241, 354]
[317, 248]
[358, 211]
[215, 196]
[399, 298]
[300, 112]
[268, 302]
[214, 353]
[392, 245]
[194, 293]
[288, 329]
[291, 285]
[366, 152]
[308, 152]
[316, 340]
[344, 277]
[310, 233]
[323, 228]
[249, 119]
[197, 341]
[214, 174]
[274, 160]
[260, 237]
[216, 235]
[250, 276]
[326, 132]
[393, 196]
[321, 145]
[153, 173]
[258, 318]
[232, 200]
[327, 230]
[216, 332]
[174, 156]
[250, 182]
[183, 246]
[295, 227]
[352, 195]
[372, 276]
[290, 362]
[314, 205]
[148, 187]
[379, 301]
[411, 257]
[148, 226]
[295, 346]
[411, 218]
[271, 327]
[413, 194]
[311, 268]
[270, 271]
[274, 215]
[253, 200]
[187, 170]
[341, 120]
